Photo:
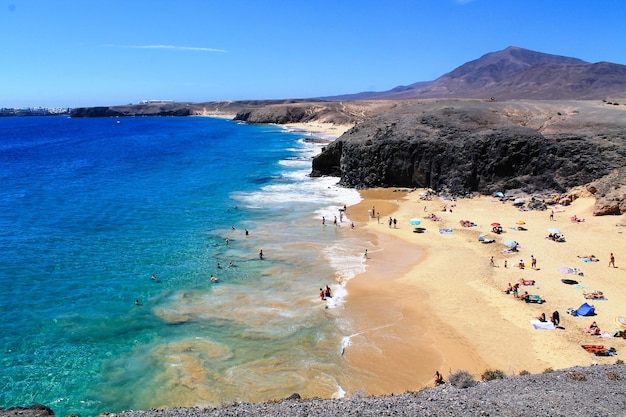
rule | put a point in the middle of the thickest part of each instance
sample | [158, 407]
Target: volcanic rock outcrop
[465, 146]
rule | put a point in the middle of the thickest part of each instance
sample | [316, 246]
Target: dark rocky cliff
[165, 109]
[474, 146]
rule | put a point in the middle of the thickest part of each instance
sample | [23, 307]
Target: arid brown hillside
[516, 73]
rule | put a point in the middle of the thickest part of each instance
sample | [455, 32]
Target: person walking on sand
[491, 262]
[438, 378]
[533, 262]
[365, 254]
[612, 260]
[551, 215]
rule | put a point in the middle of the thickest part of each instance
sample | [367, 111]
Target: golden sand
[330, 130]
[431, 301]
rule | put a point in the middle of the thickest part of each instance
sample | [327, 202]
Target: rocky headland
[551, 149]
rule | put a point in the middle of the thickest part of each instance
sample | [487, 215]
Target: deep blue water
[90, 209]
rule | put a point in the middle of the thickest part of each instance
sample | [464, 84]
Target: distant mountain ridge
[515, 73]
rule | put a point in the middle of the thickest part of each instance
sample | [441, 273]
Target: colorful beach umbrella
[520, 222]
[415, 221]
[495, 224]
[554, 230]
[510, 243]
[620, 321]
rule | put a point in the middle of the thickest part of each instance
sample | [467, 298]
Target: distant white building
[155, 101]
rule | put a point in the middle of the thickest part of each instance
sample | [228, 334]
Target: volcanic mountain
[516, 73]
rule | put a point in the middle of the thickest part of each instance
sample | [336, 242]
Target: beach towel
[445, 231]
[599, 350]
[535, 299]
[542, 325]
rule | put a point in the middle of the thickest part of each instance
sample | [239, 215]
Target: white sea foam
[299, 163]
[346, 342]
[340, 393]
[315, 190]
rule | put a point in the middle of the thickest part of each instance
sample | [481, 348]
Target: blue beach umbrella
[415, 222]
[554, 230]
[510, 243]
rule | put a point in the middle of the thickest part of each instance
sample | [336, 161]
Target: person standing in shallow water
[261, 254]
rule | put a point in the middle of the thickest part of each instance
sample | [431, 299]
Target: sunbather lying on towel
[556, 237]
[576, 219]
[594, 295]
[593, 329]
[467, 223]
[526, 281]
[590, 258]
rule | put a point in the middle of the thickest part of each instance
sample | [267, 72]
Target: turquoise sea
[91, 209]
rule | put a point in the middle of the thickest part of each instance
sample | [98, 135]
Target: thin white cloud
[170, 47]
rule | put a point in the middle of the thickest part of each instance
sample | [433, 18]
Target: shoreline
[328, 131]
[455, 297]
[444, 309]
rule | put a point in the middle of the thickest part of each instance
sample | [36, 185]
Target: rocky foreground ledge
[578, 391]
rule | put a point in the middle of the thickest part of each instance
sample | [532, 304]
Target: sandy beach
[329, 131]
[431, 301]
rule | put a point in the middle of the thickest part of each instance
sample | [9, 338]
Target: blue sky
[72, 53]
